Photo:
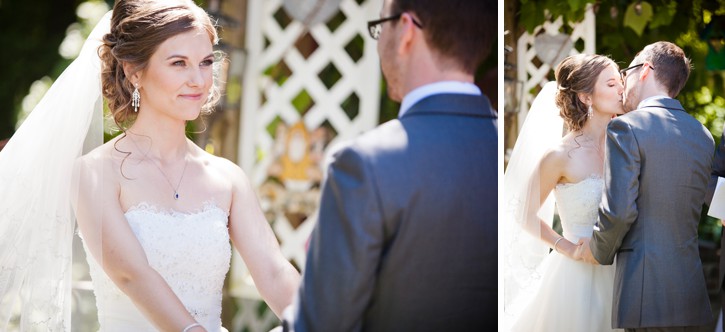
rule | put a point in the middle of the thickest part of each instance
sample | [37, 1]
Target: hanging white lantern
[552, 49]
[311, 12]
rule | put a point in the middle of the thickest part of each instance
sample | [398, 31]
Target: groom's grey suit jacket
[658, 161]
[407, 232]
[718, 170]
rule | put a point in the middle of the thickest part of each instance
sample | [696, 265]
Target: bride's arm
[112, 243]
[275, 278]
[550, 172]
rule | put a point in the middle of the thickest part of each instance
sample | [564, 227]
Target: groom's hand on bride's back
[584, 253]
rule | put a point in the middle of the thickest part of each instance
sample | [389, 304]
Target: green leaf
[664, 15]
[532, 16]
[576, 5]
[574, 16]
[638, 22]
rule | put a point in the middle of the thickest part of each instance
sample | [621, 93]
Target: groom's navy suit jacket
[658, 161]
[407, 232]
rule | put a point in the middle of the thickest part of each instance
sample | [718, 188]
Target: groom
[406, 234]
[657, 168]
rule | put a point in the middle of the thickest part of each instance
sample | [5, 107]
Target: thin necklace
[595, 144]
[175, 189]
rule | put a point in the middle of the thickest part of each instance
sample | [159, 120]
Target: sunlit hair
[577, 74]
[138, 27]
[460, 30]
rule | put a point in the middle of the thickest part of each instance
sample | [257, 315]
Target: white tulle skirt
[571, 296]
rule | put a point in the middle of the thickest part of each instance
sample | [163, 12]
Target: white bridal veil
[36, 221]
[522, 248]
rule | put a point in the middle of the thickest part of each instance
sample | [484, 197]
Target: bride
[558, 291]
[156, 212]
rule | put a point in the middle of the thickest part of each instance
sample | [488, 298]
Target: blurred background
[539, 34]
[301, 77]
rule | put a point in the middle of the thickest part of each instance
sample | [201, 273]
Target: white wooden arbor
[533, 72]
[297, 81]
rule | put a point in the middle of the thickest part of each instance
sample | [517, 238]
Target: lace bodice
[191, 251]
[578, 206]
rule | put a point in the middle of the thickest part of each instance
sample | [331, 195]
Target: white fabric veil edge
[36, 221]
[523, 250]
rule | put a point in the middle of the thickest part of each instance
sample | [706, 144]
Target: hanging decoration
[552, 49]
[311, 12]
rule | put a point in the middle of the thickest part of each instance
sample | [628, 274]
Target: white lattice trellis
[532, 75]
[267, 101]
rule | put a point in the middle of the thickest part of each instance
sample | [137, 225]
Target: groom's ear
[646, 70]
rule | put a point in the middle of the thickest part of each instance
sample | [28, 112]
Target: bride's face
[178, 77]
[607, 96]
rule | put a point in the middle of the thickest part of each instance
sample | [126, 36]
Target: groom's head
[660, 68]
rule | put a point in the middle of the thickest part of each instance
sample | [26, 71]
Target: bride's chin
[190, 115]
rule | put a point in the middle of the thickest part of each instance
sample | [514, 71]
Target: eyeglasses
[623, 72]
[375, 27]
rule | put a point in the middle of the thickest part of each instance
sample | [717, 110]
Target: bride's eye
[178, 63]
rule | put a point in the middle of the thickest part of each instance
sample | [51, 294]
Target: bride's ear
[585, 98]
[134, 76]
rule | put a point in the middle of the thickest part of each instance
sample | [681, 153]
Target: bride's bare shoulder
[557, 155]
[103, 156]
[223, 168]
[220, 164]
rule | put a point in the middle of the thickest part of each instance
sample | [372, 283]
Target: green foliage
[535, 13]
[664, 15]
[637, 16]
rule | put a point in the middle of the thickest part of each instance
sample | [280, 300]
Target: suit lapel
[453, 104]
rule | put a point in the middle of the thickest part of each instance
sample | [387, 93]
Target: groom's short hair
[459, 30]
[671, 65]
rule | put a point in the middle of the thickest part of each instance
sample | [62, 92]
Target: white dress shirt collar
[436, 88]
[650, 98]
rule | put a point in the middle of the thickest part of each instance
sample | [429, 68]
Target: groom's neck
[652, 90]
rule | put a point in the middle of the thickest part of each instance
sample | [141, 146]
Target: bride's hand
[578, 250]
[569, 249]
[581, 246]
[584, 253]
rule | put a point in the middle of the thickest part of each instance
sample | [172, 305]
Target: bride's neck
[596, 127]
[162, 139]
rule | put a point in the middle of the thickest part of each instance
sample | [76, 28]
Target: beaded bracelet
[186, 329]
[555, 248]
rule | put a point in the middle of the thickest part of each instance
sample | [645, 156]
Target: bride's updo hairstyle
[138, 27]
[577, 74]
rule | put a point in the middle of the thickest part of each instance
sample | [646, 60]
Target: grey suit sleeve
[344, 251]
[618, 209]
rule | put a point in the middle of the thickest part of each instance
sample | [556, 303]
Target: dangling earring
[135, 98]
[590, 112]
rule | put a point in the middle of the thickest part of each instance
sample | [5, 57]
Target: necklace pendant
[176, 196]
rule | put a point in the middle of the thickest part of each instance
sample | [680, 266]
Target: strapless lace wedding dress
[191, 251]
[572, 295]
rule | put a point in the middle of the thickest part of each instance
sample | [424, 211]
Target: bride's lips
[194, 96]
